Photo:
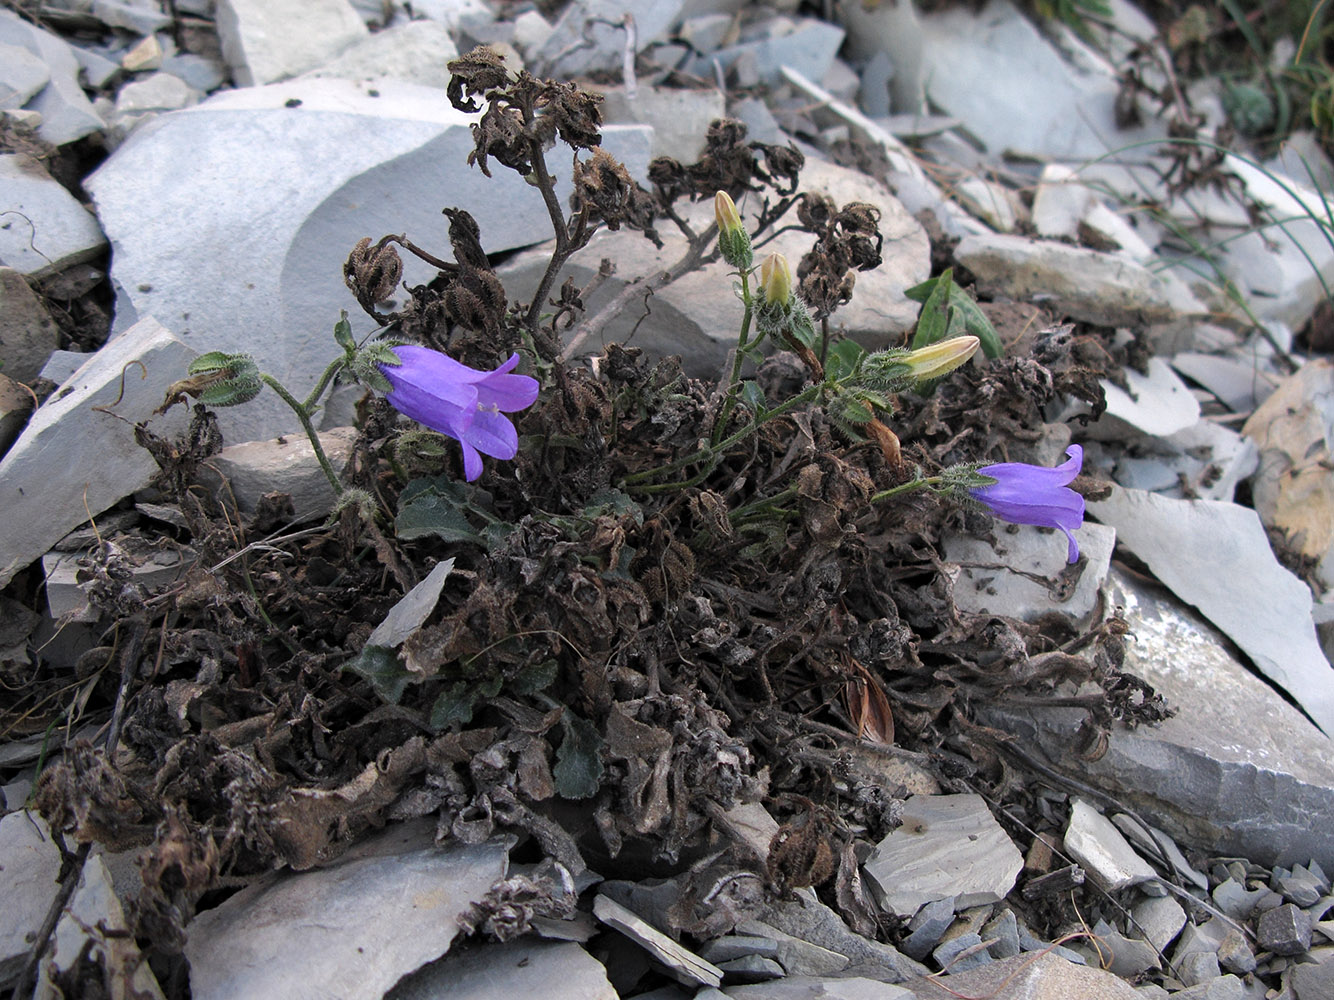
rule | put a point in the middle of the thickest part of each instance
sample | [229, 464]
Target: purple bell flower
[1032, 494]
[467, 404]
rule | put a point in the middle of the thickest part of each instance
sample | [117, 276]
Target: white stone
[993, 203]
[350, 930]
[43, 229]
[1157, 404]
[1161, 918]
[524, 968]
[1216, 556]
[893, 30]
[1098, 846]
[679, 118]
[141, 18]
[1060, 202]
[1022, 573]
[159, 92]
[93, 927]
[73, 461]
[588, 35]
[455, 15]
[28, 884]
[708, 32]
[283, 465]
[995, 71]
[1153, 842]
[531, 31]
[278, 196]
[808, 47]
[268, 40]
[1088, 285]
[147, 55]
[415, 51]
[1111, 225]
[66, 112]
[948, 845]
[1239, 383]
[22, 75]
[1214, 459]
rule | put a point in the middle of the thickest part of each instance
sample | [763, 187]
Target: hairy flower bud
[776, 280]
[733, 240]
[926, 364]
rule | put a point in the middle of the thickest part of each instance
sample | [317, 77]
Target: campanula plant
[1031, 494]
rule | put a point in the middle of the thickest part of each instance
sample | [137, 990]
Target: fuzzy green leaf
[578, 769]
[431, 515]
[343, 333]
[380, 666]
[753, 396]
[965, 313]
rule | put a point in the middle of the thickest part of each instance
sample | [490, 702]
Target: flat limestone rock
[72, 461]
[1024, 573]
[1158, 404]
[683, 964]
[1089, 285]
[267, 40]
[48, 230]
[948, 845]
[280, 182]
[66, 113]
[1098, 846]
[1025, 977]
[31, 866]
[815, 988]
[1216, 556]
[351, 930]
[287, 465]
[1238, 771]
[28, 334]
[524, 968]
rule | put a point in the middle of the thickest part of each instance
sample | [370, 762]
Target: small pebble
[1285, 930]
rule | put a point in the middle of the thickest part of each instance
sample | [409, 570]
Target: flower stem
[734, 380]
[304, 416]
[912, 485]
[322, 384]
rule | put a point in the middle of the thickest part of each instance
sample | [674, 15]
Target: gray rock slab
[66, 112]
[1238, 771]
[159, 91]
[524, 968]
[797, 957]
[698, 316]
[815, 988]
[806, 45]
[351, 930]
[28, 874]
[927, 926]
[1152, 842]
[1024, 977]
[415, 51]
[73, 461]
[142, 18]
[948, 845]
[22, 75]
[1160, 918]
[93, 925]
[1216, 557]
[283, 465]
[1241, 384]
[1118, 954]
[1156, 405]
[28, 335]
[683, 964]
[1093, 841]
[1024, 573]
[995, 71]
[679, 118]
[43, 229]
[1089, 285]
[318, 177]
[268, 40]
[589, 37]
[812, 921]
[959, 954]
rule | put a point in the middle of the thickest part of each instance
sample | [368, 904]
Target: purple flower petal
[1033, 494]
[462, 402]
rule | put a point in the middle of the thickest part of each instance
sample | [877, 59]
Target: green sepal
[366, 364]
[222, 379]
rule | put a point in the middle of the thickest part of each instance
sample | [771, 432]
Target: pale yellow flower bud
[776, 280]
[931, 362]
[733, 240]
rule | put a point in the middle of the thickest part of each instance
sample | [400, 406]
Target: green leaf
[212, 361]
[535, 678]
[753, 396]
[844, 358]
[933, 322]
[578, 769]
[431, 515]
[614, 502]
[380, 666]
[343, 333]
[965, 311]
[455, 704]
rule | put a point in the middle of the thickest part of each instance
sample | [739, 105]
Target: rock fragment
[268, 40]
[44, 229]
[1093, 841]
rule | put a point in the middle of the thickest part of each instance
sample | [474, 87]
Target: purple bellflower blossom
[467, 404]
[1032, 494]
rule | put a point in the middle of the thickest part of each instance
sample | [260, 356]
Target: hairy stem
[739, 356]
[304, 416]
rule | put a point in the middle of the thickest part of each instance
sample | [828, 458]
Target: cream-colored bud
[931, 362]
[776, 280]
